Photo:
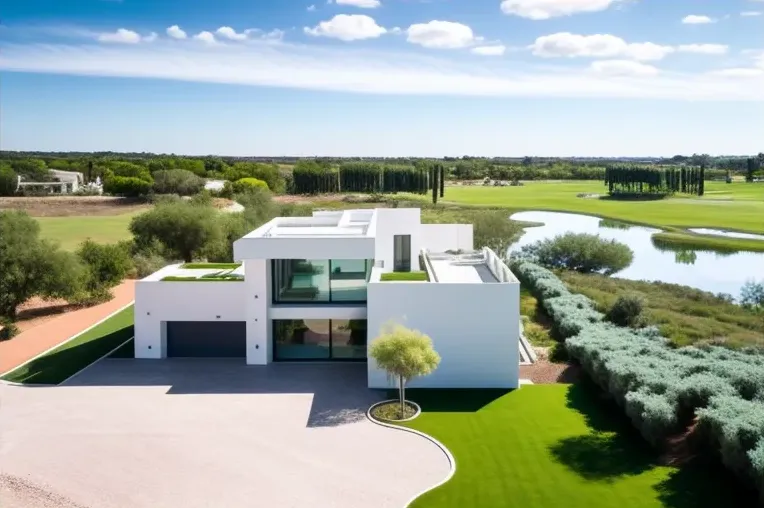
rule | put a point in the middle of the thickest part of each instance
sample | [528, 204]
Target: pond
[709, 271]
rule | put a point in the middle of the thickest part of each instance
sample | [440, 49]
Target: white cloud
[176, 33]
[275, 35]
[546, 9]
[311, 8]
[151, 37]
[695, 19]
[122, 36]
[625, 68]
[751, 14]
[229, 33]
[739, 72]
[493, 50]
[361, 70]
[347, 27]
[206, 37]
[704, 49]
[441, 35]
[566, 44]
[364, 4]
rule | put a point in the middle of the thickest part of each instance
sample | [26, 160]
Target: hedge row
[661, 388]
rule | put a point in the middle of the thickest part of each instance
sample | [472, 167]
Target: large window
[402, 253]
[327, 280]
[319, 339]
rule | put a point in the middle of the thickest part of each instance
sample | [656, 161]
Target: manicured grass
[403, 276]
[737, 206]
[73, 356]
[210, 266]
[685, 315]
[548, 446]
[690, 241]
[70, 232]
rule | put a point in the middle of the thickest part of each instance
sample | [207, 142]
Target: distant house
[320, 288]
[62, 182]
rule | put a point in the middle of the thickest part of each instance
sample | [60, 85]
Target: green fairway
[737, 206]
[549, 446]
[69, 232]
[70, 358]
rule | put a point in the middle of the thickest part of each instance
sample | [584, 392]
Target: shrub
[581, 252]
[627, 311]
[148, 263]
[752, 294]
[106, 265]
[8, 329]
[246, 184]
[268, 173]
[127, 186]
[8, 180]
[177, 181]
[654, 415]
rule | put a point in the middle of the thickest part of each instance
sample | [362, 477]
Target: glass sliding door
[319, 339]
[402, 253]
[320, 281]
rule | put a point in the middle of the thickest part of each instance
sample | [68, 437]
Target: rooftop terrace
[482, 266]
[344, 223]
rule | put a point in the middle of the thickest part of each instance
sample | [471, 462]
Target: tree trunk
[402, 392]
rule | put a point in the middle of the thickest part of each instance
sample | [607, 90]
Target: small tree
[404, 354]
[106, 265]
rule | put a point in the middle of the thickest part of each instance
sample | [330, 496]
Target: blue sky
[384, 77]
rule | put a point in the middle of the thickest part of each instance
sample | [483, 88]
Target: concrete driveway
[207, 433]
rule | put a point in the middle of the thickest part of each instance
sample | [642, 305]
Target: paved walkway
[208, 434]
[31, 343]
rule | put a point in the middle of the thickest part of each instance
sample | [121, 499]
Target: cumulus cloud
[566, 44]
[696, 19]
[175, 32]
[546, 9]
[362, 70]
[151, 37]
[226, 32]
[364, 4]
[626, 68]
[121, 36]
[206, 37]
[493, 50]
[704, 49]
[739, 72]
[347, 27]
[275, 35]
[441, 35]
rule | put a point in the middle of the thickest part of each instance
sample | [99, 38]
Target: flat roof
[342, 223]
[468, 268]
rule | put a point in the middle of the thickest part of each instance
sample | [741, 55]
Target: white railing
[498, 268]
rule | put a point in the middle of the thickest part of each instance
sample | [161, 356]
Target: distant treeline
[639, 180]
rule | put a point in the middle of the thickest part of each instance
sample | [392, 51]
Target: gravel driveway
[207, 433]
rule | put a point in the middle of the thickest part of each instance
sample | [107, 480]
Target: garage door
[207, 339]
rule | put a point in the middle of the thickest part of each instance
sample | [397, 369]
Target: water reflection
[614, 224]
[709, 271]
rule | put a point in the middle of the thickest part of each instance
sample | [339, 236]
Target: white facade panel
[361, 247]
[157, 302]
[444, 237]
[396, 221]
[474, 328]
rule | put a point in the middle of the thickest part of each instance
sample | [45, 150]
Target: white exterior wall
[397, 221]
[335, 247]
[474, 328]
[157, 302]
[257, 300]
[443, 237]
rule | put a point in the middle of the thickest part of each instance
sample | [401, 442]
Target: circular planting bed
[390, 411]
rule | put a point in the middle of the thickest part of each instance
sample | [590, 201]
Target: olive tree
[184, 229]
[30, 266]
[404, 354]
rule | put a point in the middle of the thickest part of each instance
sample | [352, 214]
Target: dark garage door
[207, 339]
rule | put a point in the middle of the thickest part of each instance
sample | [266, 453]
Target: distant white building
[64, 182]
[310, 289]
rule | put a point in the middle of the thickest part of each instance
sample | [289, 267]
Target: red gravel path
[52, 332]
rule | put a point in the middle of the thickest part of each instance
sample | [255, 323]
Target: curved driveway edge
[446, 452]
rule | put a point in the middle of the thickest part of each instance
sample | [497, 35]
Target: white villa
[314, 289]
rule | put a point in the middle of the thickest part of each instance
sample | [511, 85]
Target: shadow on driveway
[340, 395]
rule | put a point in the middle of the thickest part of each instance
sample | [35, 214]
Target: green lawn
[71, 231]
[68, 359]
[738, 206]
[551, 446]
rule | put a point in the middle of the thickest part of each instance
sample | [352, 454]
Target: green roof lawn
[550, 446]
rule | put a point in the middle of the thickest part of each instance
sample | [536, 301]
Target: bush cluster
[246, 184]
[581, 252]
[659, 387]
[177, 181]
[127, 186]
